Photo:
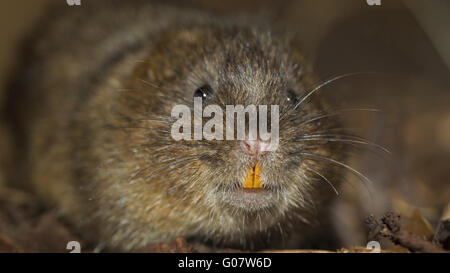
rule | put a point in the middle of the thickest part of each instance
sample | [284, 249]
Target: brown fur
[91, 116]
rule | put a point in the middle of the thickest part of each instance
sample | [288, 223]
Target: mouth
[253, 181]
[252, 194]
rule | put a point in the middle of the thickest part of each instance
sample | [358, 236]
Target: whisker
[167, 120]
[324, 178]
[339, 129]
[158, 87]
[355, 141]
[173, 92]
[326, 83]
[337, 112]
[357, 173]
[176, 161]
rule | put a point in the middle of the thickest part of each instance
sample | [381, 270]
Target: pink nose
[255, 147]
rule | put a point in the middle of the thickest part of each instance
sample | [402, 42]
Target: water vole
[91, 113]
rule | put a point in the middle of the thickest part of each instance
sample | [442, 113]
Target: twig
[391, 226]
[442, 236]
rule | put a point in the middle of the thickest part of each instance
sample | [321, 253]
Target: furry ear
[180, 38]
[167, 55]
[175, 43]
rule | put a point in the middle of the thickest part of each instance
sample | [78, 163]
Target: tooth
[257, 183]
[253, 178]
[248, 184]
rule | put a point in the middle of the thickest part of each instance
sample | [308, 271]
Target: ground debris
[7, 247]
[442, 236]
[27, 227]
[393, 227]
[178, 245]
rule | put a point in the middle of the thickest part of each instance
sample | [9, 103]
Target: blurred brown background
[407, 46]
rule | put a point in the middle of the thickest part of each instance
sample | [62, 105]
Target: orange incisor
[253, 178]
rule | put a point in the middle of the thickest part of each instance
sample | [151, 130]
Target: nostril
[255, 147]
[247, 145]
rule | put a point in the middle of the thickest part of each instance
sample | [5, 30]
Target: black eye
[292, 97]
[204, 92]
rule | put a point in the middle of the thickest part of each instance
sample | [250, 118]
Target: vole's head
[232, 187]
